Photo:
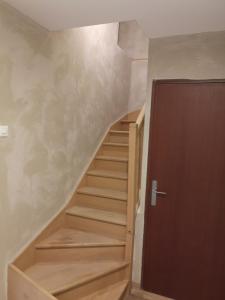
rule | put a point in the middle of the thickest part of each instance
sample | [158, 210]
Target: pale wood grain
[89, 225]
[89, 246]
[66, 237]
[135, 156]
[97, 214]
[140, 118]
[106, 193]
[127, 121]
[131, 208]
[114, 151]
[112, 158]
[118, 136]
[56, 278]
[108, 174]
[106, 183]
[123, 132]
[91, 287]
[116, 145]
[101, 203]
[76, 254]
[21, 287]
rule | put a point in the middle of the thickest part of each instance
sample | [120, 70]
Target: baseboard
[138, 292]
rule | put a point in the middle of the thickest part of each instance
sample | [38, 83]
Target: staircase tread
[66, 238]
[108, 173]
[119, 131]
[114, 291]
[115, 144]
[105, 193]
[98, 214]
[60, 277]
[127, 121]
[112, 158]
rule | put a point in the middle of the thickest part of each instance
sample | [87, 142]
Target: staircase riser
[110, 230]
[118, 138]
[124, 127]
[93, 286]
[114, 151]
[101, 203]
[107, 183]
[111, 165]
[120, 126]
[80, 254]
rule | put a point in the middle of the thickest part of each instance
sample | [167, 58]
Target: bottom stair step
[114, 292]
[60, 277]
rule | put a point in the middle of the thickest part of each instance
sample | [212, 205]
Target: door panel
[184, 244]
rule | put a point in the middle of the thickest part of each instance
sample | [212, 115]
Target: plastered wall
[135, 44]
[133, 40]
[59, 91]
[138, 86]
[199, 56]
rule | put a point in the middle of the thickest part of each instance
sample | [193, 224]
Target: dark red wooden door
[184, 243]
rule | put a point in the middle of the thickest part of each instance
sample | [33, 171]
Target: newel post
[131, 204]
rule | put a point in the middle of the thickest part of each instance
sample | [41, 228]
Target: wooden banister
[136, 130]
[140, 118]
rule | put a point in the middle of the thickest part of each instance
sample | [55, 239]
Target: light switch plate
[4, 130]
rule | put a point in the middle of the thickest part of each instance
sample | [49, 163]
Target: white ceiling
[157, 17]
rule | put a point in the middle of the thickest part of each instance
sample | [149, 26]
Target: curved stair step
[98, 214]
[123, 132]
[108, 174]
[59, 277]
[116, 144]
[105, 193]
[114, 292]
[124, 121]
[112, 158]
[72, 238]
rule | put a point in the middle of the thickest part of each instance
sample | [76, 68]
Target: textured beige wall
[133, 40]
[135, 44]
[138, 86]
[199, 56]
[58, 93]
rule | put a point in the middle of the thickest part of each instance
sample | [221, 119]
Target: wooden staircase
[86, 252]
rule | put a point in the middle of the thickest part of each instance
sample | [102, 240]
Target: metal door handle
[161, 193]
[155, 193]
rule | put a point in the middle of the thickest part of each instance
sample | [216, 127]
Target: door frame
[147, 213]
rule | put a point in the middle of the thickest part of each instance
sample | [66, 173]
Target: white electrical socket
[4, 131]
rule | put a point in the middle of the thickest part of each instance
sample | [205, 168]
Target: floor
[141, 295]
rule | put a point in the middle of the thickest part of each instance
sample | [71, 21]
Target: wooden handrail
[140, 118]
[136, 130]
